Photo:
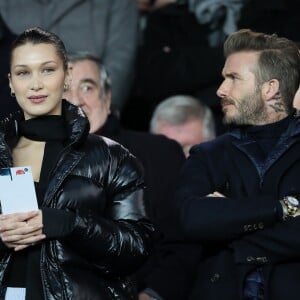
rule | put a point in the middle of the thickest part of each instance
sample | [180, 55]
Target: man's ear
[108, 102]
[270, 88]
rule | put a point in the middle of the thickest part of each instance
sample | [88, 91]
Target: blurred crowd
[146, 72]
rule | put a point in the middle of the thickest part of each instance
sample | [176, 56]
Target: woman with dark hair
[89, 233]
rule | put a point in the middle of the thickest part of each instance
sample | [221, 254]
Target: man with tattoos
[239, 194]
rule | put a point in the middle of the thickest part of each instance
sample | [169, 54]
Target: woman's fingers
[21, 232]
[21, 244]
[19, 216]
[32, 240]
[12, 221]
[20, 247]
[12, 225]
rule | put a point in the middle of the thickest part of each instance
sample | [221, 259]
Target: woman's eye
[22, 73]
[48, 70]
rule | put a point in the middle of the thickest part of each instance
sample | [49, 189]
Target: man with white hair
[184, 119]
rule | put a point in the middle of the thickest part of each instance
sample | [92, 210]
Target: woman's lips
[37, 99]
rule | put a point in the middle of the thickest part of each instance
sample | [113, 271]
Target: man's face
[85, 91]
[187, 134]
[241, 99]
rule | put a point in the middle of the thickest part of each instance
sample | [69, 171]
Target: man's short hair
[278, 58]
[105, 80]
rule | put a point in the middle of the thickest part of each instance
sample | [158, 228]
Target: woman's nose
[36, 83]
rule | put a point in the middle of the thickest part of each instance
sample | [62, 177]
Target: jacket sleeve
[204, 218]
[120, 240]
[247, 224]
[279, 243]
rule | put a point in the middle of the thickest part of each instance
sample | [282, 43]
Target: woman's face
[37, 78]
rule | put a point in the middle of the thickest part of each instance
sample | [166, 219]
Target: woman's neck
[25, 142]
[29, 153]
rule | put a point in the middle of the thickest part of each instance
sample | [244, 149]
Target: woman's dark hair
[37, 35]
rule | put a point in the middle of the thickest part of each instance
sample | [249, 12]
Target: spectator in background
[8, 103]
[106, 28]
[221, 16]
[161, 158]
[91, 90]
[184, 119]
[174, 57]
[272, 16]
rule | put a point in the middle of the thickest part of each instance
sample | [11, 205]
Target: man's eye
[86, 88]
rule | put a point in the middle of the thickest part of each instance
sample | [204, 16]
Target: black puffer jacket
[101, 183]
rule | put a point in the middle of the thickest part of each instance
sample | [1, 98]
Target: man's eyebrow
[89, 80]
[230, 74]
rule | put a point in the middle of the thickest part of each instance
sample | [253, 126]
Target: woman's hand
[21, 230]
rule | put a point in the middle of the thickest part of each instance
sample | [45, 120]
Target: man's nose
[222, 91]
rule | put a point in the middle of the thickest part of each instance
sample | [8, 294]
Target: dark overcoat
[242, 231]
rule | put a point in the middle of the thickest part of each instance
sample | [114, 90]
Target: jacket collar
[293, 128]
[77, 122]
[248, 146]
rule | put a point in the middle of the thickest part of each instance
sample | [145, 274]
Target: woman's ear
[270, 88]
[68, 79]
[12, 91]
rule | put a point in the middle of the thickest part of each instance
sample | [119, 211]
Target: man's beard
[250, 110]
